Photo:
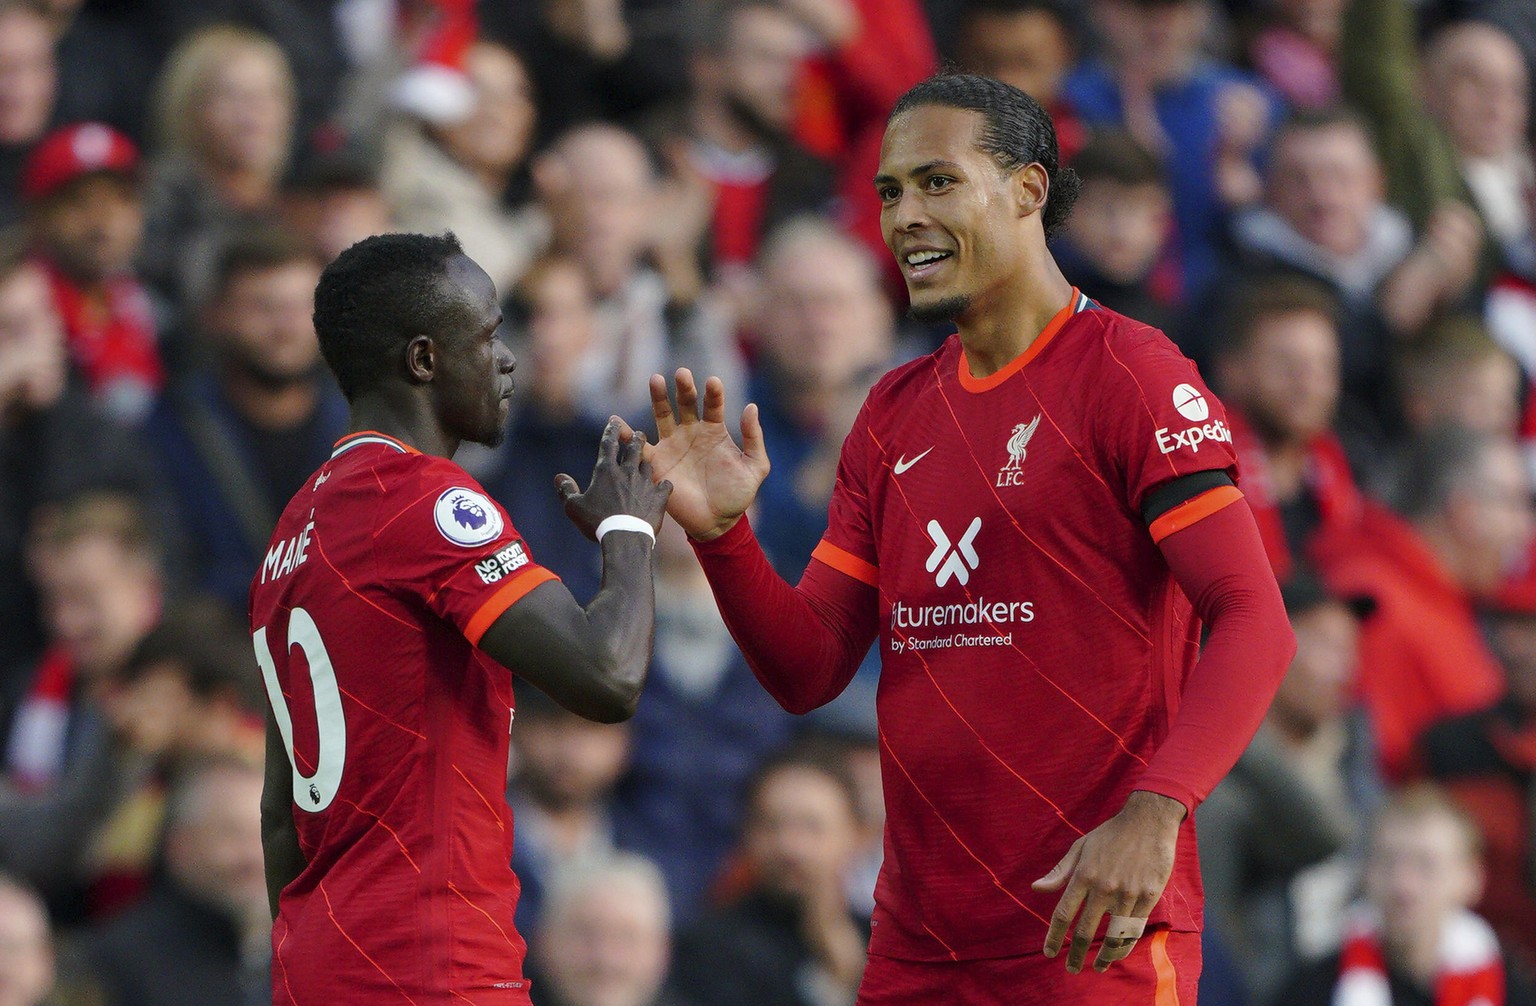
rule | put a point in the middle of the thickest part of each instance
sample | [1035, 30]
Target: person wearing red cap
[85, 223]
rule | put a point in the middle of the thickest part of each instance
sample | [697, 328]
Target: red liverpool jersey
[1034, 643]
[383, 573]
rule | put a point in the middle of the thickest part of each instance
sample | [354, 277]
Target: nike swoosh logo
[902, 464]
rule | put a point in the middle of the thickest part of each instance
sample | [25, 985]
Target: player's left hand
[1120, 869]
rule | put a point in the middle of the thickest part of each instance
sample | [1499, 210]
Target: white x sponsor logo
[955, 560]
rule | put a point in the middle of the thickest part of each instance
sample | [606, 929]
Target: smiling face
[950, 213]
[473, 368]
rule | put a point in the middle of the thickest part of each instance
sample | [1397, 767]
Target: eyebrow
[921, 169]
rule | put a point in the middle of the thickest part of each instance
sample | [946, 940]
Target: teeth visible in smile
[924, 257]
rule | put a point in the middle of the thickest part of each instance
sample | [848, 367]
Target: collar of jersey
[976, 385]
[362, 437]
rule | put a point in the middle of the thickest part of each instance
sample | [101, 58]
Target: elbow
[615, 693]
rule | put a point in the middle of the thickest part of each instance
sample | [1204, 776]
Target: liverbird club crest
[1012, 472]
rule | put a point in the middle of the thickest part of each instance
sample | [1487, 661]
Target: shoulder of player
[1122, 345]
[896, 389]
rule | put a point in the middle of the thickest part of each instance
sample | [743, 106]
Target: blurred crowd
[1329, 204]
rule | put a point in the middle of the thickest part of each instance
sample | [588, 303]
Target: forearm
[621, 619]
[803, 643]
[1221, 565]
[281, 855]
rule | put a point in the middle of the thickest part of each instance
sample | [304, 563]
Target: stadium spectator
[1413, 938]
[27, 965]
[561, 793]
[824, 333]
[28, 83]
[455, 175]
[203, 933]
[85, 221]
[1115, 246]
[26, 948]
[1451, 129]
[224, 111]
[1296, 50]
[680, 810]
[1205, 120]
[1325, 217]
[1281, 837]
[186, 693]
[791, 938]
[53, 444]
[1463, 519]
[106, 58]
[734, 130]
[1486, 760]
[605, 205]
[333, 203]
[604, 939]
[596, 59]
[1031, 44]
[99, 577]
[235, 440]
[1278, 370]
[550, 429]
[1459, 375]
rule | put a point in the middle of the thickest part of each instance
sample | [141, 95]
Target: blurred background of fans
[1329, 204]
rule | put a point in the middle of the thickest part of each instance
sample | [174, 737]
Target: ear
[421, 358]
[1031, 186]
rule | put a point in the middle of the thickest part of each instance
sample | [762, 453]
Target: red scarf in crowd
[35, 755]
[112, 344]
[1470, 971]
[1325, 476]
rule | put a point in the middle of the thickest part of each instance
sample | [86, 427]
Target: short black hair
[1115, 155]
[208, 650]
[377, 296]
[1057, 10]
[811, 754]
[258, 248]
[1017, 131]
[1440, 463]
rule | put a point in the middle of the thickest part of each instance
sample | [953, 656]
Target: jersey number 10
[314, 792]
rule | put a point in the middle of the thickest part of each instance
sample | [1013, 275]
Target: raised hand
[713, 481]
[621, 483]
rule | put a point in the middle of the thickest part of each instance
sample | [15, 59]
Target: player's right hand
[713, 480]
[622, 483]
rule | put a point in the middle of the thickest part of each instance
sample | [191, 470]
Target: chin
[938, 310]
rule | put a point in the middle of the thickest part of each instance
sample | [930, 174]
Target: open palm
[713, 481]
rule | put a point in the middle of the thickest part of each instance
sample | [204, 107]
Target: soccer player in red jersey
[394, 599]
[1035, 521]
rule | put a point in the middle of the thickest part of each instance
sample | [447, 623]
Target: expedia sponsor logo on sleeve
[1193, 407]
[503, 563]
[1169, 441]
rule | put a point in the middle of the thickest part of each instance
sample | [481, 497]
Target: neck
[1287, 463]
[1000, 325]
[1416, 955]
[409, 420]
[1293, 730]
[1444, 548]
[242, 187]
[268, 406]
[714, 123]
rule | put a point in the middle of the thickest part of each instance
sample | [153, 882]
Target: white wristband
[625, 522]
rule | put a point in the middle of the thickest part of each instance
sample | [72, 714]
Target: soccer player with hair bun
[1035, 522]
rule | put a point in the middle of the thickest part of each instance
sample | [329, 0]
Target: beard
[270, 378]
[944, 309]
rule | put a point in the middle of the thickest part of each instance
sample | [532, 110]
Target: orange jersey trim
[1192, 511]
[976, 385]
[503, 599]
[1167, 975]
[847, 563]
[375, 435]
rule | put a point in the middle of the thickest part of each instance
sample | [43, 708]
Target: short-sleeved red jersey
[1034, 643]
[383, 573]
